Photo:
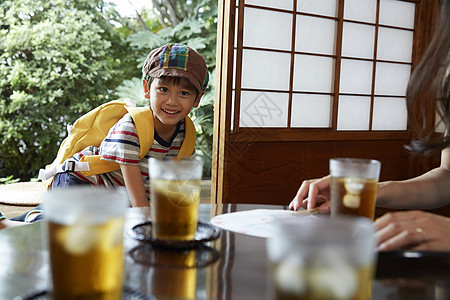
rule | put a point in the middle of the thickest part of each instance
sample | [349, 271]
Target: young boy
[174, 80]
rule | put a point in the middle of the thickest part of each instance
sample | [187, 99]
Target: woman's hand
[312, 193]
[415, 230]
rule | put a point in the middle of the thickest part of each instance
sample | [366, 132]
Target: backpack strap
[143, 120]
[188, 145]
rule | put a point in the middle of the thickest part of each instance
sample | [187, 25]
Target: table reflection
[171, 274]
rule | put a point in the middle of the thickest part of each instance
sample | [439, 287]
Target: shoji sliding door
[300, 81]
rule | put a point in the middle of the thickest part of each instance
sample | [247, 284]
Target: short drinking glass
[318, 258]
[354, 186]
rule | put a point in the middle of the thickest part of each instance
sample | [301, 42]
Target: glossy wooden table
[234, 266]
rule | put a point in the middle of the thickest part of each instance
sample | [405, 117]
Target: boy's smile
[170, 112]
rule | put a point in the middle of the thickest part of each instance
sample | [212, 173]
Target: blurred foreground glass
[85, 240]
[322, 258]
[175, 196]
[354, 186]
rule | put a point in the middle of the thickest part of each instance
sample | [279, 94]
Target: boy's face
[171, 100]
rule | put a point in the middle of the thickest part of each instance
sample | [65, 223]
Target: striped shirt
[121, 145]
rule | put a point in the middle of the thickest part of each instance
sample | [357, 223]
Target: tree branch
[171, 6]
[162, 13]
[144, 26]
[183, 12]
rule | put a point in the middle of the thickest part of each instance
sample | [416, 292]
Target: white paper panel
[353, 113]
[322, 7]
[360, 10]
[265, 69]
[283, 4]
[234, 69]
[356, 76]
[397, 13]
[394, 44]
[267, 29]
[313, 73]
[358, 40]
[311, 110]
[391, 79]
[307, 33]
[389, 114]
[263, 109]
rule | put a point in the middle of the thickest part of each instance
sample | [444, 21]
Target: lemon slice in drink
[77, 238]
[290, 277]
[333, 282]
[354, 187]
[351, 200]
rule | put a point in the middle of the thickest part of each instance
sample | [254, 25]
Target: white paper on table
[256, 222]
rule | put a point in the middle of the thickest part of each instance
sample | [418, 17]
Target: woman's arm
[429, 190]
[135, 185]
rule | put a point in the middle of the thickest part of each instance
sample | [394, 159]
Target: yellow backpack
[90, 130]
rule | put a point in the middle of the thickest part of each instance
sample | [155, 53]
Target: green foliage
[8, 180]
[199, 32]
[58, 59]
[132, 88]
[172, 12]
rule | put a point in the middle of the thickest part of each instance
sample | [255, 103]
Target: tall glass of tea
[175, 197]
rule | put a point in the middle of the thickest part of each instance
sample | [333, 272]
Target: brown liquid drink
[314, 287]
[175, 208]
[88, 267]
[175, 196]
[322, 258]
[354, 186]
[85, 242]
[354, 196]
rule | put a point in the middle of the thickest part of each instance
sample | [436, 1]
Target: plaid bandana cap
[177, 60]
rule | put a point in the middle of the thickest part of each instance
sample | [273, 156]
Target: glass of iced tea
[354, 186]
[316, 258]
[84, 233]
[175, 196]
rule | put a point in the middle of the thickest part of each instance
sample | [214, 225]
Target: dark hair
[430, 83]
